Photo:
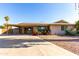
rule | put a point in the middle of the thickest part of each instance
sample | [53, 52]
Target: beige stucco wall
[57, 29]
[70, 27]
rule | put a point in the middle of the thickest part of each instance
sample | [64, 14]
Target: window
[41, 28]
[63, 27]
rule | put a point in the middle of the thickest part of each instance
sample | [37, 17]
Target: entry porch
[29, 29]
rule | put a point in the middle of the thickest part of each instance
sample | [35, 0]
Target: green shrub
[2, 27]
[69, 32]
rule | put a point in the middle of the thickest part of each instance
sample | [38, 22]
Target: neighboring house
[0, 30]
[39, 28]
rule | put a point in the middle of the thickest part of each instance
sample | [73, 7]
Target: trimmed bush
[2, 27]
[69, 32]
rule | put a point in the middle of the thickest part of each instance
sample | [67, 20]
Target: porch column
[8, 29]
[50, 28]
[22, 30]
[34, 30]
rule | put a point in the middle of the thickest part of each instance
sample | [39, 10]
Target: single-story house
[38, 28]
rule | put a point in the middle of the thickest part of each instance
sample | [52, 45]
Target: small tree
[77, 26]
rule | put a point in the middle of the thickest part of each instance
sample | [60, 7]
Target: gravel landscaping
[70, 43]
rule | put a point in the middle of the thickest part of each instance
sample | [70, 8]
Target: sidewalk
[54, 37]
[35, 48]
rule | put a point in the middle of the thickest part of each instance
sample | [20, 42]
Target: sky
[37, 12]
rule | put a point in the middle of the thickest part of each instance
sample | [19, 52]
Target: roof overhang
[59, 24]
[27, 25]
[39, 24]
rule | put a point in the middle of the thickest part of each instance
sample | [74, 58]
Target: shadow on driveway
[20, 43]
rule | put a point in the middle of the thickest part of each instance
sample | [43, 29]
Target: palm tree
[77, 26]
[6, 19]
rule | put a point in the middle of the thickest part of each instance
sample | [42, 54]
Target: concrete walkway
[31, 46]
[55, 37]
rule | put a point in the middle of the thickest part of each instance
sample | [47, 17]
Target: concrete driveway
[30, 46]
